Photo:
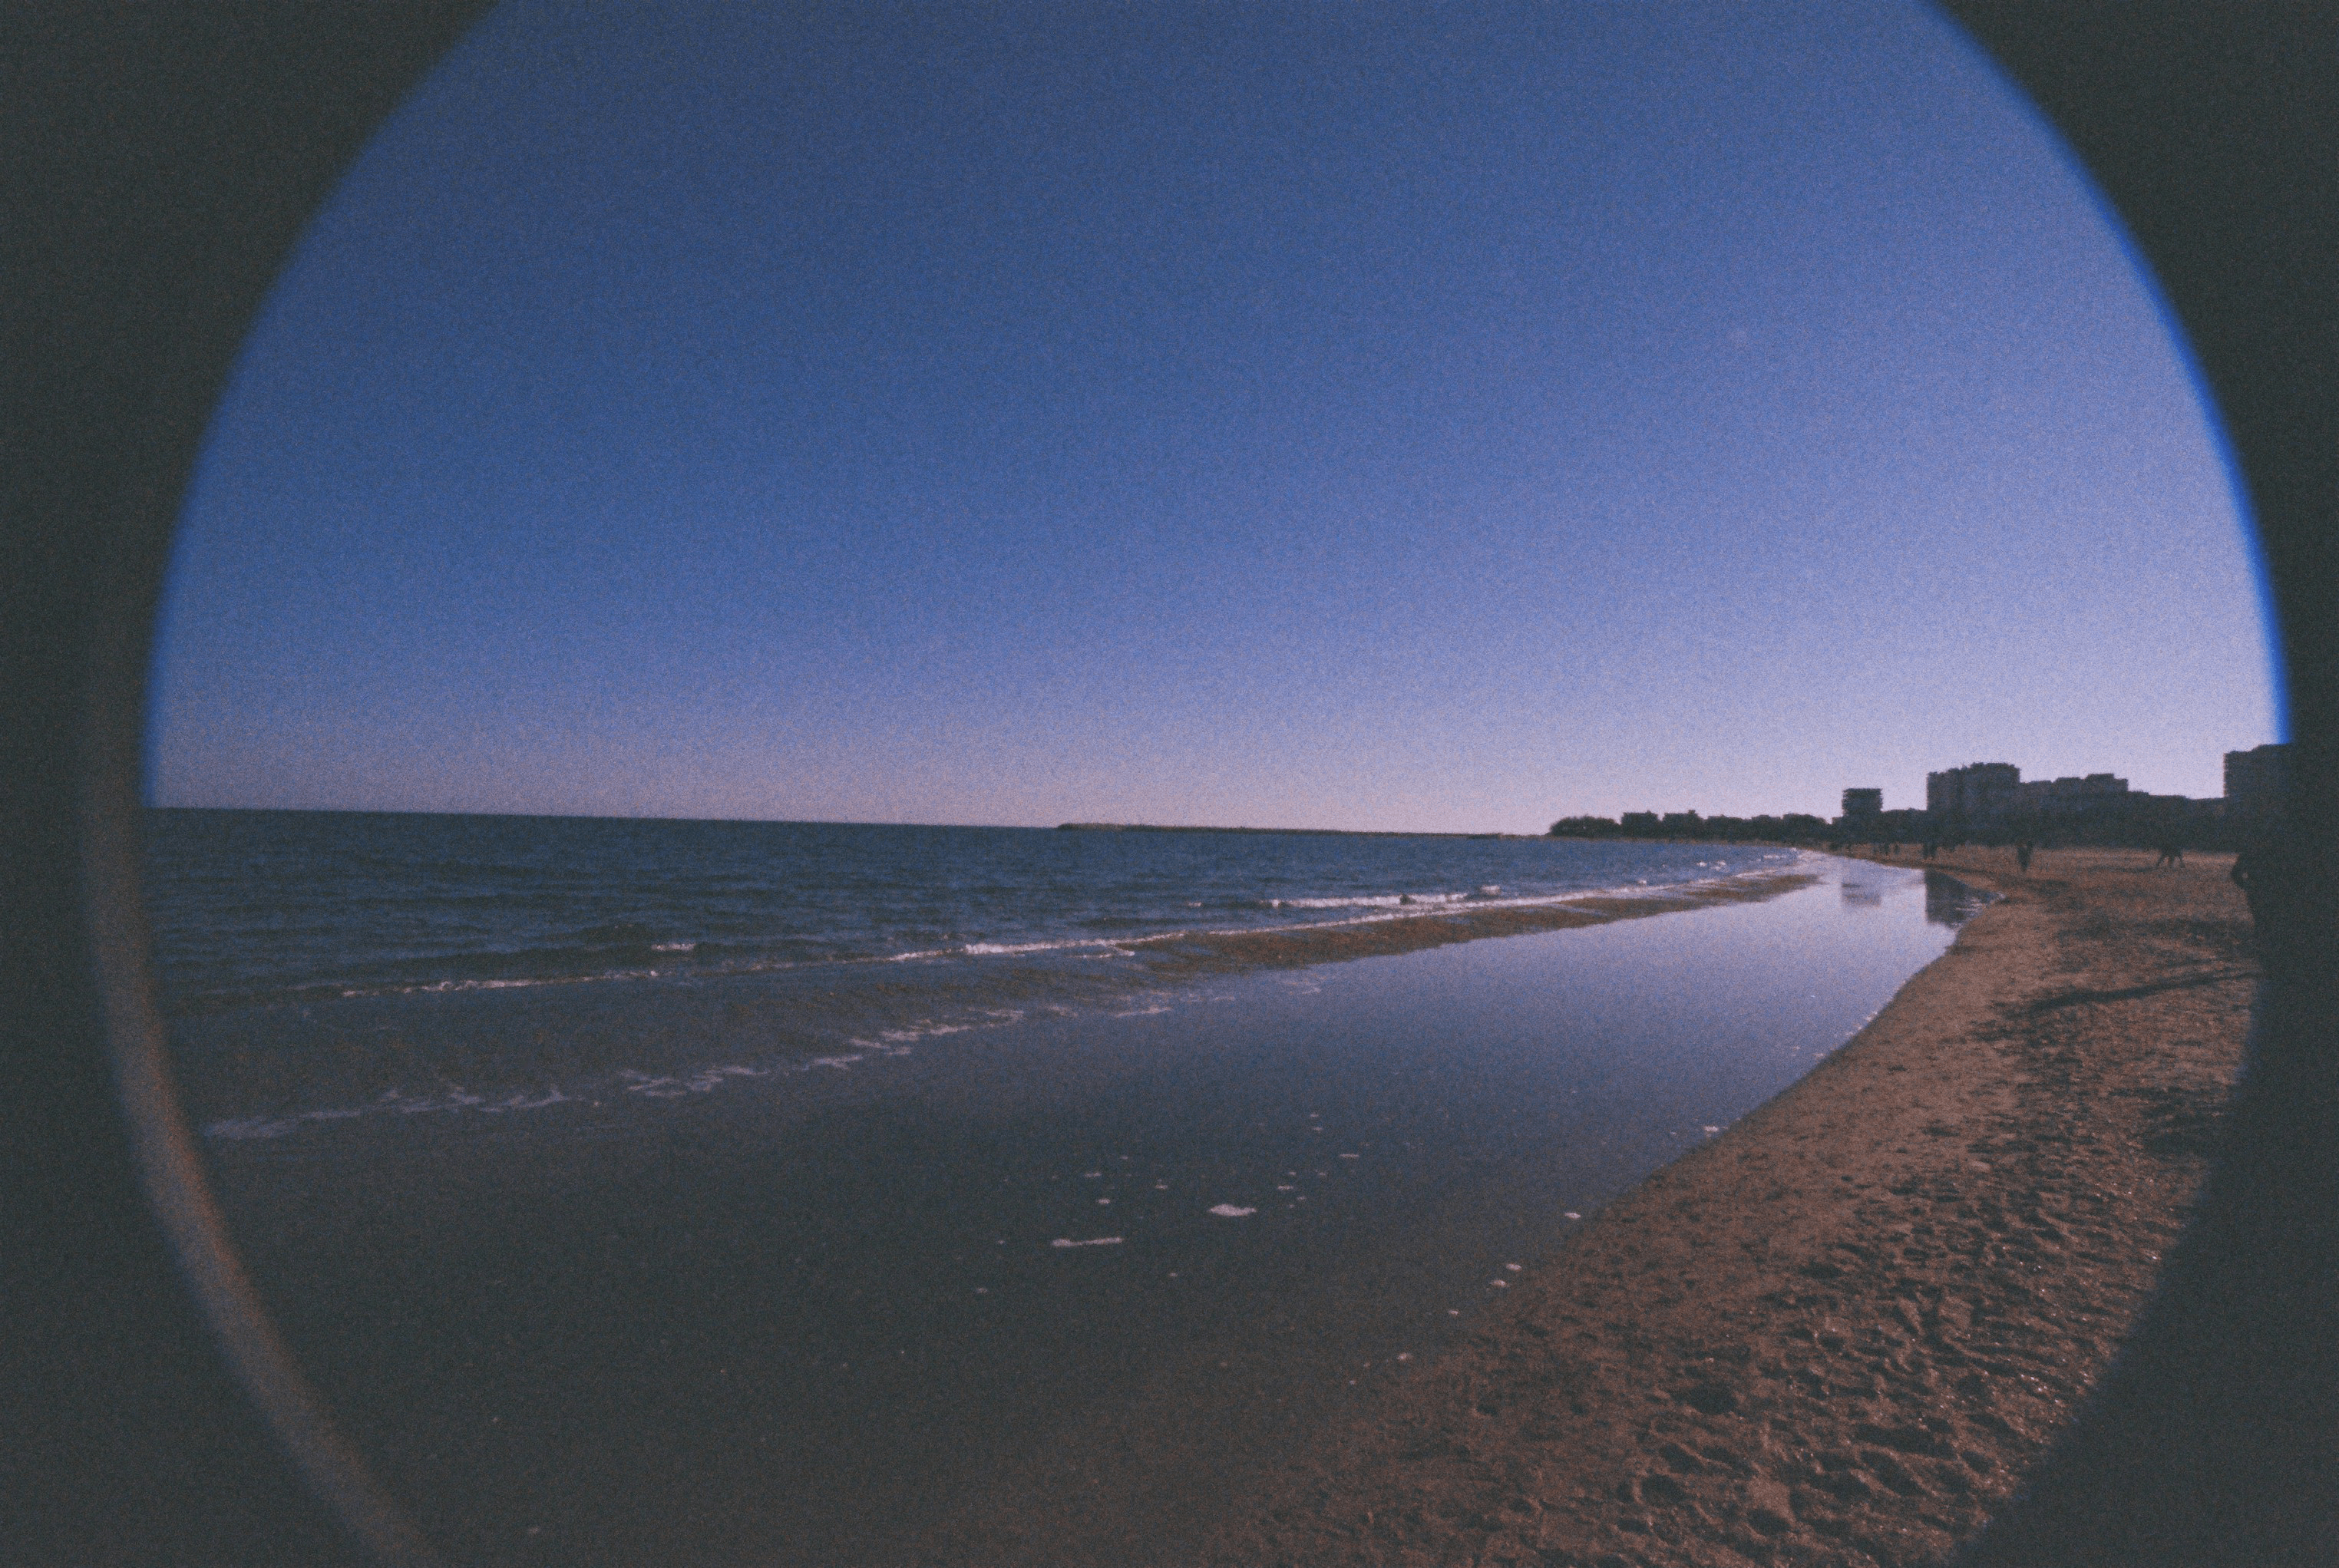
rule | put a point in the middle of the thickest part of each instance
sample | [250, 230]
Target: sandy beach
[1842, 1332]
[836, 1324]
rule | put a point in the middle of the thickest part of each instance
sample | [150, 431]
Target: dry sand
[1842, 1331]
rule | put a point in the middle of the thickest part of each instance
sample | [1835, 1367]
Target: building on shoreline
[1995, 798]
[1976, 793]
[1993, 802]
[2257, 785]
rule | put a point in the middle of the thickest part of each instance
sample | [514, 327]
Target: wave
[861, 1026]
[867, 926]
[389, 1102]
[1367, 901]
[450, 1097]
[1410, 930]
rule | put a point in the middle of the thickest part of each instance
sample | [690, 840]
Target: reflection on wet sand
[966, 1303]
[1952, 903]
[1862, 894]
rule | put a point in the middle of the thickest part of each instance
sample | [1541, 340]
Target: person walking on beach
[2022, 856]
[2172, 853]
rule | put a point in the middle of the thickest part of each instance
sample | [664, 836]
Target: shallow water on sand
[1022, 1293]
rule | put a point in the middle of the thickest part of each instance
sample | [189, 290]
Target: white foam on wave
[662, 1086]
[414, 1105]
[992, 949]
[909, 1034]
[443, 987]
[1091, 1241]
[522, 1102]
[519, 984]
[1413, 906]
[1231, 1210]
[389, 1101]
[1379, 906]
[1368, 900]
[900, 1039]
[1107, 948]
[1487, 895]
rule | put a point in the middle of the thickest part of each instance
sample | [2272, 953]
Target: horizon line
[846, 822]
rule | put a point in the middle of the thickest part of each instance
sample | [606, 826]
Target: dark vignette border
[159, 163]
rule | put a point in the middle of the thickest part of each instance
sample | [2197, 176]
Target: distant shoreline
[1311, 832]
[841, 822]
[1826, 845]
[1822, 846]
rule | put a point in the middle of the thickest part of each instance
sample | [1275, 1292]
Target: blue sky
[1438, 418]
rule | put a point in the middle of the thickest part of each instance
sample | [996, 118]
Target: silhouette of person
[2287, 877]
[2249, 875]
[2022, 855]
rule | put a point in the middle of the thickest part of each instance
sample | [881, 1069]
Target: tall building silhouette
[2257, 784]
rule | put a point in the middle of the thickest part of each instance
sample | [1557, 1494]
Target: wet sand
[870, 1315]
[1842, 1332]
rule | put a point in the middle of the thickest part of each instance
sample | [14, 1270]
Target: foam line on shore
[1383, 935]
[1157, 965]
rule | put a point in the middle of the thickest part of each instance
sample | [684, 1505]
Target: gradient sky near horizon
[1441, 418]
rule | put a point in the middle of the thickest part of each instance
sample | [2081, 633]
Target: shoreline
[1281, 832]
[248, 1079]
[835, 1326]
[1180, 955]
[1845, 1330]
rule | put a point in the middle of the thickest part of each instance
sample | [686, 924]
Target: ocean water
[322, 948]
[261, 907]
[936, 1202]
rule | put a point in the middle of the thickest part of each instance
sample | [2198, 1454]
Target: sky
[1446, 417]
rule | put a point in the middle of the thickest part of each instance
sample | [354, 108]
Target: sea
[810, 1192]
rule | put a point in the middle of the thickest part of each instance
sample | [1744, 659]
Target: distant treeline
[1795, 827]
[2140, 828]
[1314, 831]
